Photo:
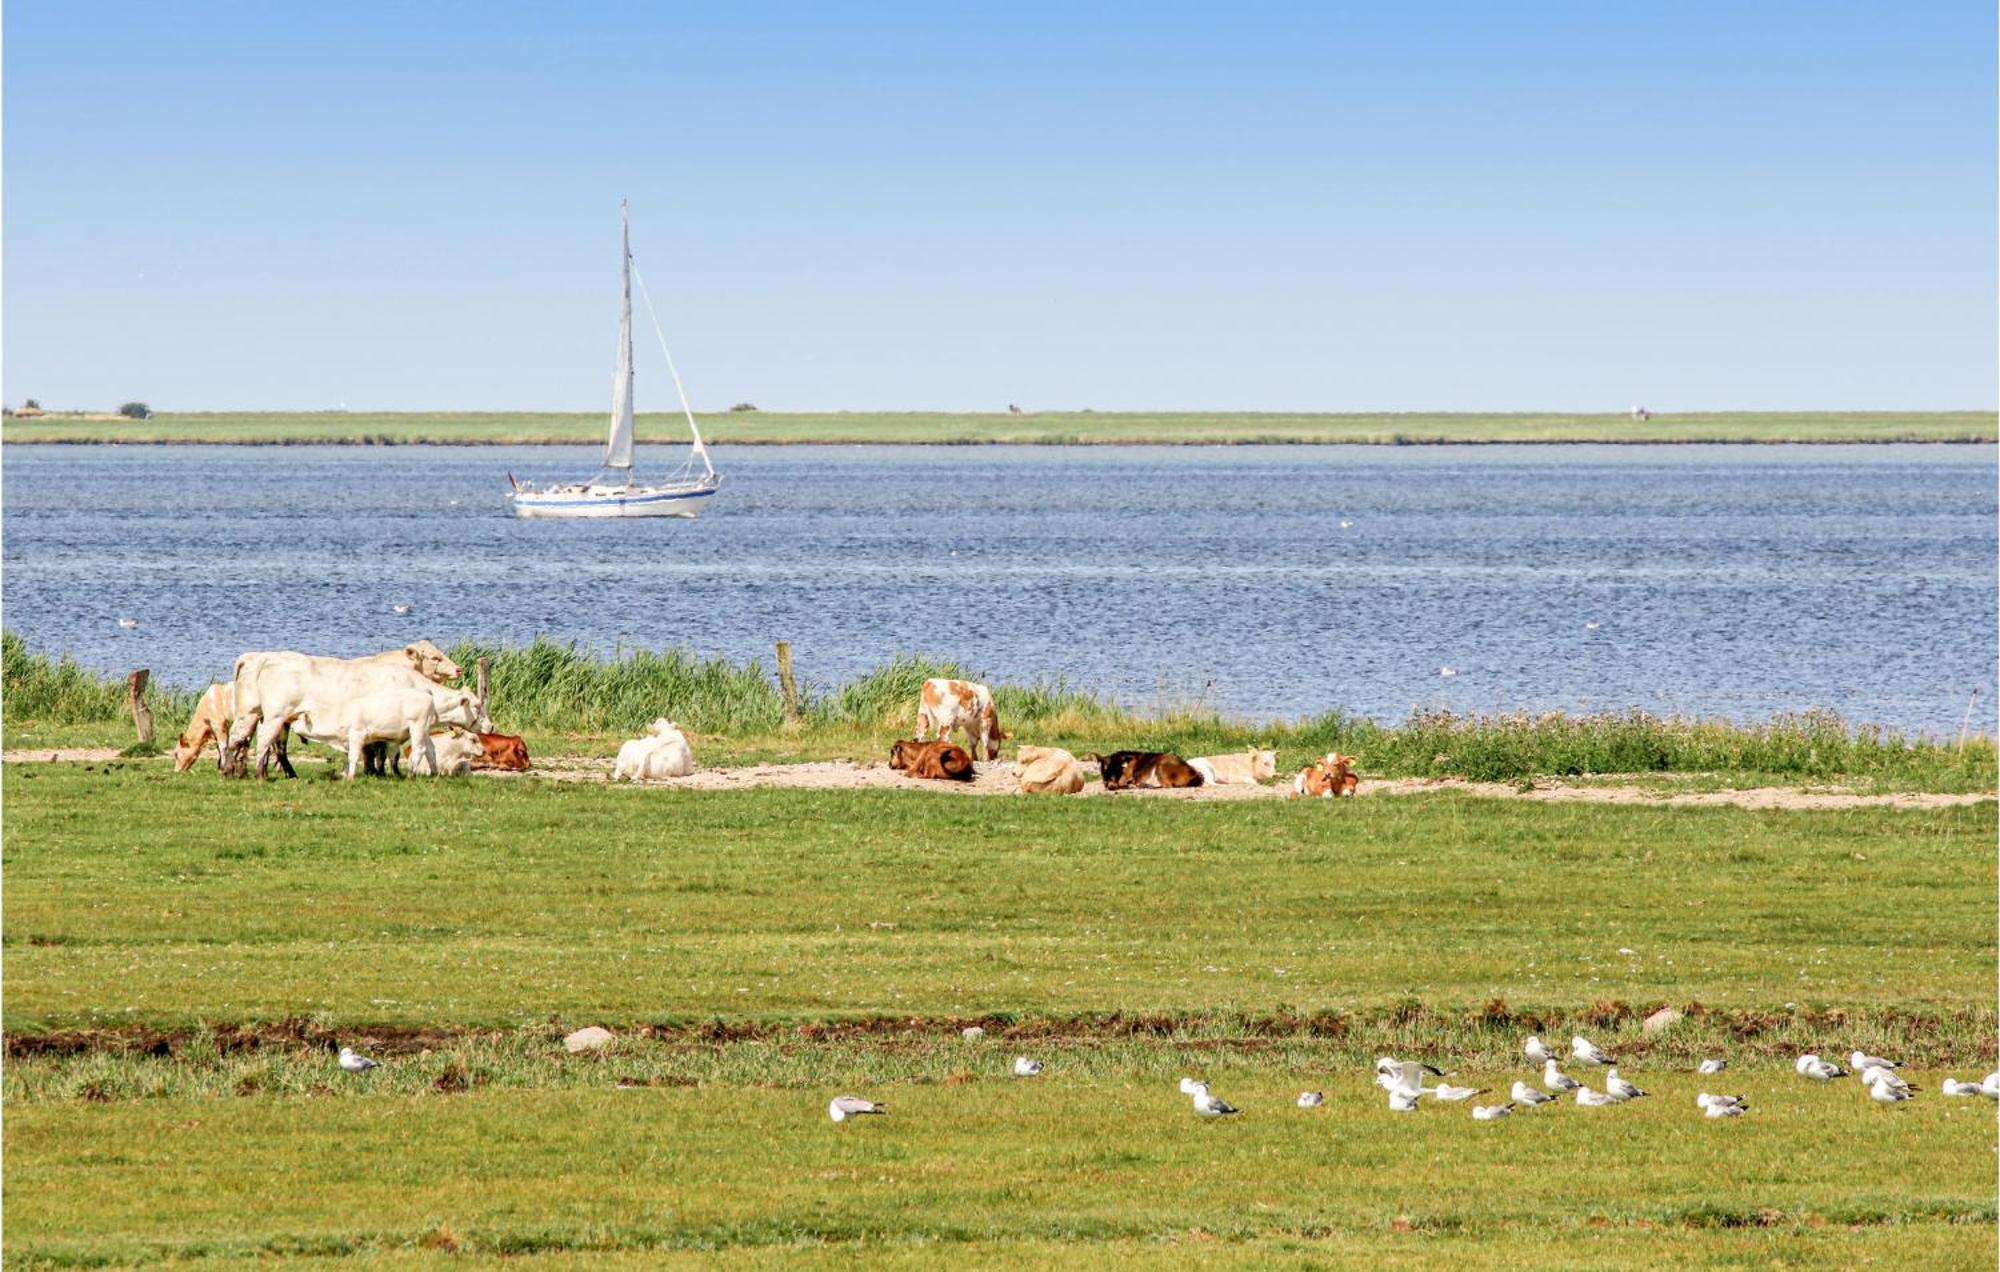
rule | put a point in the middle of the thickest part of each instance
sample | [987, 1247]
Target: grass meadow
[183, 954]
[1056, 428]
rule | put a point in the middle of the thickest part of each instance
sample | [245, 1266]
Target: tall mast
[618, 450]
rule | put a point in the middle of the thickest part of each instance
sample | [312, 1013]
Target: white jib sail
[618, 451]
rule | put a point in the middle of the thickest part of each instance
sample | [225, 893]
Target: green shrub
[136, 411]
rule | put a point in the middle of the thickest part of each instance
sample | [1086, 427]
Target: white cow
[663, 752]
[1249, 768]
[386, 714]
[273, 687]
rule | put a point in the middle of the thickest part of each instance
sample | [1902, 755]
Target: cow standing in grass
[948, 706]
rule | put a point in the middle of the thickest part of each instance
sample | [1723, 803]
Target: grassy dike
[467, 428]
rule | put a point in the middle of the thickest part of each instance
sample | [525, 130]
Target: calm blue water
[1737, 581]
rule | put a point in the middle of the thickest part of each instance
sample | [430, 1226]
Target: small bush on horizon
[136, 411]
[744, 406]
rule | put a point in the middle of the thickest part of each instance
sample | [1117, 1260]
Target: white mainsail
[618, 450]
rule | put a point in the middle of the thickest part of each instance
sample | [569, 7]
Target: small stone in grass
[972, 1033]
[1664, 1018]
[589, 1038]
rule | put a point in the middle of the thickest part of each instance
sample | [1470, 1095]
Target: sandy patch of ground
[65, 754]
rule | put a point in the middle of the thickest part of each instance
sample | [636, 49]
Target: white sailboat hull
[683, 499]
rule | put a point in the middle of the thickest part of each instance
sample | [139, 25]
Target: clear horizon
[1572, 210]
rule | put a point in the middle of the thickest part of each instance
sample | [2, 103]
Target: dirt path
[998, 779]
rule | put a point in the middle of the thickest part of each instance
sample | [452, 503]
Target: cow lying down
[1047, 770]
[1245, 768]
[457, 754]
[663, 752]
[1123, 770]
[937, 760]
[1331, 778]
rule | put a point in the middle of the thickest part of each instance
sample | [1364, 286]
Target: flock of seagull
[1404, 1080]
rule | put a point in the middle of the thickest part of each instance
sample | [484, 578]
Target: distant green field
[1061, 427]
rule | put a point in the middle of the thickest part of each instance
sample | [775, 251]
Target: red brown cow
[1123, 770]
[1331, 778]
[939, 760]
[502, 751]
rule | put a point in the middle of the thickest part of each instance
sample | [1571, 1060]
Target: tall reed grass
[551, 686]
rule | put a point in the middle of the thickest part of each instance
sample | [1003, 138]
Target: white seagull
[1311, 1099]
[1862, 1060]
[1211, 1105]
[1491, 1112]
[128, 622]
[1869, 1077]
[354, 1062]
[1447, 671]
[1991, 1087]
[1593, 1099]
[1525, 1094]
[1725, 1110]
[1887, 1092]
[1618, 1088]
[1403, 1099]
[1026, 1068]
[1819, 1070]
[1592, 626]
[1535, 1051]
[1707, 1101]
[1445, 1091]
[1556, 1080]
[846, 1106]
[1711, 1066]
[1410, 1073]
[1189, 1086]
[401, 607]
[1581, 1048]
[1952, 1086]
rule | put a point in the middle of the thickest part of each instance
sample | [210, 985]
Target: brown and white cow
[1330, 778]
[1047, 770]
[1247, 768]
[502, 751]
[937, 760]
[1123, 770]
[210, 723]
[948, 706]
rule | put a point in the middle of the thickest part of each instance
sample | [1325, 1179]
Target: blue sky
[1272, 207]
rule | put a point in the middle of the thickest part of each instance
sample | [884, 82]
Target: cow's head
[432, 663]
[1263, 764]
[902, 754]
[186, 751]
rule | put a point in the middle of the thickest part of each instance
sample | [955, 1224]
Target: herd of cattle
[384, 707]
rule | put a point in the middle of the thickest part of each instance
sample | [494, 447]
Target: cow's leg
[923, 723]
[267, 737]
[355, 744]
[423, 753]
[283, 749]
[235, 762]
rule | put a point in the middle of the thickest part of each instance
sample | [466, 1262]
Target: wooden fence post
[142, 715]
[479, 670]
[786, 684]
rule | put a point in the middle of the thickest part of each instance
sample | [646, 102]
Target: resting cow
[937, 760]
[1330, 778]
[271, 688]
[663, 752]
[502, 751]
[472, 752]
[948, 706]
[1123, 770]
[1048, 770]
[1247, 769]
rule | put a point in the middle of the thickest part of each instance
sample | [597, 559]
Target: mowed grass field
[182, 953]
[1057, 427]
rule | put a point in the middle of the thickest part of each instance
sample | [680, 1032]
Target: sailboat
[611, 491]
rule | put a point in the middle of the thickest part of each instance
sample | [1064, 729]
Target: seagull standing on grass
[1556, 1080]
[1313, 1099]
[1711, 1066]
[846, 1106]
[1725, 1110]
[1404, 1099]
[1594, 1099]
[1189, 1086]
[1705, 1101]
[354, 1062]
[1586, 1053]
[1859, 1060]
[1491, 1112]
[1811, 1066]
[1618, 1088]
[1445, 1091]
[1026, 1068]
[1869, 1077]
[1525, 1094]
[1535, 1051]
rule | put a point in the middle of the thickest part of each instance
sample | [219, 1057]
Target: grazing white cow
[663, 752]
[273, 687]
[386, 714]
[1248, 769]
[950, 705]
